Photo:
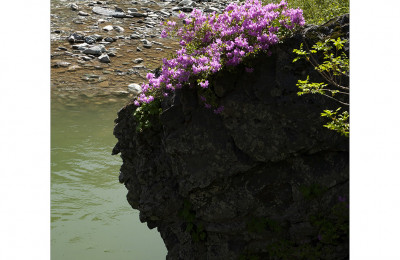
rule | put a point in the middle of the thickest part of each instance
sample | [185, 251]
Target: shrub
[334, 67]
[319, 11]
[211, 43]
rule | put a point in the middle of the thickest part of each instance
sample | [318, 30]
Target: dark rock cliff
[263, 179]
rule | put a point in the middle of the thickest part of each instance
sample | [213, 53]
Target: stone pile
[103, 28]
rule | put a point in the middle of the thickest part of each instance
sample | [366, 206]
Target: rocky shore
[100, 48]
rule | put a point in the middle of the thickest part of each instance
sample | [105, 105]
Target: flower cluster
[211, 42]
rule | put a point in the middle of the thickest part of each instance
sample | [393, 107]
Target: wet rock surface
[263, 179]
[77, 27]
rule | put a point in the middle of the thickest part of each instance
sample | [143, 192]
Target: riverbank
[99, 48]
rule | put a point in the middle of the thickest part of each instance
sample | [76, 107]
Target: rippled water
[90, 217]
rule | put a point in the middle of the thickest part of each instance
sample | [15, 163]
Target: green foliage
[147, 115]
[307, 87]
[334, 67]
[335, 64]
[340, 122]
[318, 11]
[197, 231]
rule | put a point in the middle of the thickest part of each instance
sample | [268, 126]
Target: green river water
[90, 216]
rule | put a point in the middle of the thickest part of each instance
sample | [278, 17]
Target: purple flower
[196, 70]
[204, 84]
[211, 42]
[219, 110]
[171, 23]
[164, 34]
[181, 15]
[150, 76]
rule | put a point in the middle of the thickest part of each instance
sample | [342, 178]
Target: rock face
[262, 179]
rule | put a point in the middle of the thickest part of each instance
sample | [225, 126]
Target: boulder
[261, 180]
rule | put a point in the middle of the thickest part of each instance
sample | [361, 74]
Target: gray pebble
[135, 36]
[138, 67]
[74, 7]
[137, 14]
[119, 15]
[185, 3]
[104, 58]
[134, 88]
[90, 39]
[165, 13]
[211, 9]
[109, 39]
[86, 58]
[108, 28]
[97, 37]
[76, 37]
[95, 50]
[119, 28]
[117, 9]
[81, 13]
[60, 64]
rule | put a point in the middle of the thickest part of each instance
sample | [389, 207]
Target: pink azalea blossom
[212, 42]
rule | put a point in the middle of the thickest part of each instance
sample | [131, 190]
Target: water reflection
[90, 217]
